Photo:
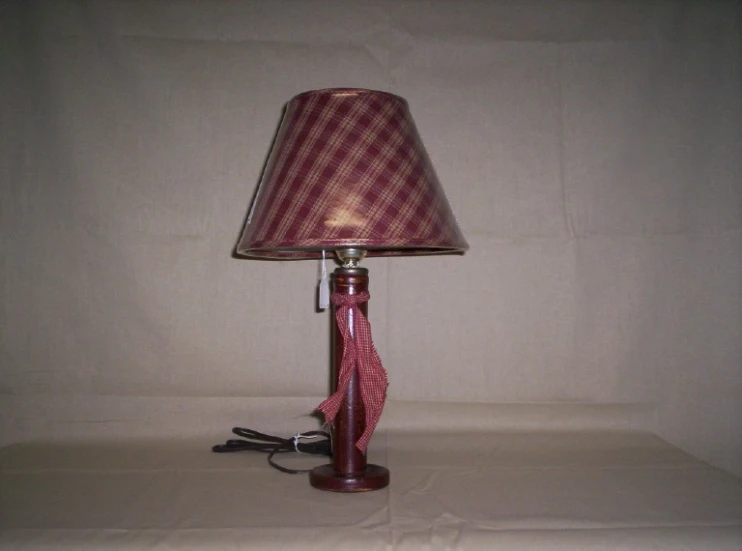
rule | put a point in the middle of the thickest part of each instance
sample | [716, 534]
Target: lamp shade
[348, 170]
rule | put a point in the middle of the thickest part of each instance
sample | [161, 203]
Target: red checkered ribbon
[359, 354]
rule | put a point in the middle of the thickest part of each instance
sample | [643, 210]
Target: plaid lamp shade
[348, 170]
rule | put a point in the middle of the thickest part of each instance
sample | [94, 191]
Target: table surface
[493, 490]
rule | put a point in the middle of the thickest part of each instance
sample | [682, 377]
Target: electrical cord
[319, 444]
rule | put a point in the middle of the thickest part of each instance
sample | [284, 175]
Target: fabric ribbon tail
[329, 410]
[372, 419]
[331, 405]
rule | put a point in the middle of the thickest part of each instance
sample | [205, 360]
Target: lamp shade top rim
[340, 93]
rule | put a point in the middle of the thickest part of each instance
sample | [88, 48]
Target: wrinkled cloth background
[592, 152]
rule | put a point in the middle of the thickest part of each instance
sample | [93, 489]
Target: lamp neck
[350, 271]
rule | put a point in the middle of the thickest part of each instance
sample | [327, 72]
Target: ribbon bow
[359, 354]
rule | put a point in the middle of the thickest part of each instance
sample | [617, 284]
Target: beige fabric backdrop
[591, 150]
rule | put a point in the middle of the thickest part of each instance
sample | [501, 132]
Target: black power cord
[318, 444]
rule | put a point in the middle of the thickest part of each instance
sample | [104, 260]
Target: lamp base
[325, 477]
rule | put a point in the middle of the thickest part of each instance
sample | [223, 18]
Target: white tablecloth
[475, 490]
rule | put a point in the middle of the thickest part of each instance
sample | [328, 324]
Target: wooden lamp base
[349, 471]
[325, 477]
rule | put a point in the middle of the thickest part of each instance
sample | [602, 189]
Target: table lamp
[348, 177]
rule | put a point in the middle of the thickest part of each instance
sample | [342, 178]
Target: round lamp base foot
[324, 477]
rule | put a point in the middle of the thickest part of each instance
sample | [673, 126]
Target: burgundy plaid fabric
[348, 169]
[359, 354]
